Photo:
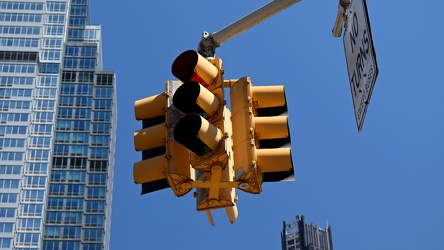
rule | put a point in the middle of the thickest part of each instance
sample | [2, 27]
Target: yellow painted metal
[215, 196]
[268, 96]
[219, 155]
[150, 107]
[190, 65]
[232, 213]
[244, 148]
[209, 217]
[248, 128]
[209, 102]
[209, 134]
[270, 127]
[150, 137]
[205, 70]
[216, 189]
[179, 172]
[152, 169]
[274, 159]
[174, 164]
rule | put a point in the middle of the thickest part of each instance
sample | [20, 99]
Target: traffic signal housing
[261, 137]
[206, 130]
[201, 98]
[165, 163]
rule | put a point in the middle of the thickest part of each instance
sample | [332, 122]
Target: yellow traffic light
[261, 139]
[206, 131]
[201, 99]
[162, 158]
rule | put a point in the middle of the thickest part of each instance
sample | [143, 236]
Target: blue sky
[379, 189]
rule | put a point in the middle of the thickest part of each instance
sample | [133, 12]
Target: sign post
[361, 58]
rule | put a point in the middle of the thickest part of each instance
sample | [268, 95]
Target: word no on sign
[361, 58]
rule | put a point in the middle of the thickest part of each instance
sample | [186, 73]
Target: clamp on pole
[207, 46]
[342, 14]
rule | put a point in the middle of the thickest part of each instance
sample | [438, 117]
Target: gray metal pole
[210, 42]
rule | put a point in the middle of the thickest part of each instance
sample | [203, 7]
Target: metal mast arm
[207, 46]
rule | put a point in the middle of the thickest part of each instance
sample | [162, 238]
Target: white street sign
[361, 58]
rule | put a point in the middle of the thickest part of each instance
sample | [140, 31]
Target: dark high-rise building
[299, 235]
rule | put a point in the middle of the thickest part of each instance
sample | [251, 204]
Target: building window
[55, 19]
[72, 232]
[55, 6]
[83, 113]
[101, 128]
[60, 162]
[10, 170]
[78, 163]
[31, 210]
[48, 81]
[5, 243]
[13, 117]
[37, 168]
[35, 181]
[75, 189]
[96, 192]
[78, 10]
[81, 125]
[8, 105]
[19, 42]
[100, 140]
[52, 232]
[83, 101]
[56, 189]
[55, 203]
[80, 137]
[94, 220]
[74, 204]
[28, 239]
[54, 217]
[8, 198]
[98, 166]
[95, 206]
[97, 179]
[29, 224]
[20, 30]
[6, 227]
[73, 218]
[54, 30]
[12, 80]
[93, 234]
[11, 156]
[43, 116]
[12, 143]
[7, 212]
[67, 89]
[7, 183]
[84, 89]
[104, 79]
[38, 155]
[49, 68]
[21, 6]
[99, 153]
[86, 77]
[45, 105]
[8, 93]
[68, 76]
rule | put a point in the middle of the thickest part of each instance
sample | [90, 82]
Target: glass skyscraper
[57, 128]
